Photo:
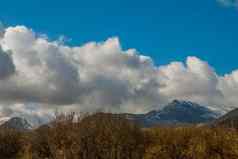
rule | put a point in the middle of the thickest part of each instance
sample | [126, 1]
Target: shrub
[11, 143]
[99, 136]
[110, 136]
[192, 143]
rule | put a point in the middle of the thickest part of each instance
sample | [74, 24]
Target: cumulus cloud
[196, 81]
[95, 76]
[38, 76]
[228, 3]
[7, 67]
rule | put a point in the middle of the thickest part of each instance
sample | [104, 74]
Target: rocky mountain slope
[176, 112]
[17, 123]
[229, 120]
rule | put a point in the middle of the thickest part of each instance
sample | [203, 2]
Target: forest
[107, 136]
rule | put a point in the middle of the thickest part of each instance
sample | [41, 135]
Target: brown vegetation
[11, 143]
[192, 143]
[106, 136]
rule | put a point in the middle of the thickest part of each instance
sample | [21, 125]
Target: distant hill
[16, 123]
[176, 112]
[229, 120]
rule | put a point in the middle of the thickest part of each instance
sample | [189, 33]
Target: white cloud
[228, 3]
[41, 76]
[196, 81]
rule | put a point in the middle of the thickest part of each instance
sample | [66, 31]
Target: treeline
[107, 136]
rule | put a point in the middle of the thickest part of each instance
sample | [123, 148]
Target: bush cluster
[107, 136]
[191, 143]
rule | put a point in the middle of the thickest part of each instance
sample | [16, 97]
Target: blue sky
[164, 30]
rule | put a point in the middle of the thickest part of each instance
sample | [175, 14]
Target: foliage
[107, 136]
[192, 143]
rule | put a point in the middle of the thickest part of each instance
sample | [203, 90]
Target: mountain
[229, 120]
[16, 123]
[4, 119]
[176, 112]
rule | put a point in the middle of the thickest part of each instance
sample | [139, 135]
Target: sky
[116, 56]
[163, 30]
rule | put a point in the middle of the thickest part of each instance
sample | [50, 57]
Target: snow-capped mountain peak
[17, 123]
[177, 112]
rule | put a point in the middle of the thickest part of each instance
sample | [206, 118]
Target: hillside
[174, 113]
[228, 120]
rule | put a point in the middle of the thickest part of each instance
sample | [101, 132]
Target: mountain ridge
[17, 123]
[174, 113]
[229, 120]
